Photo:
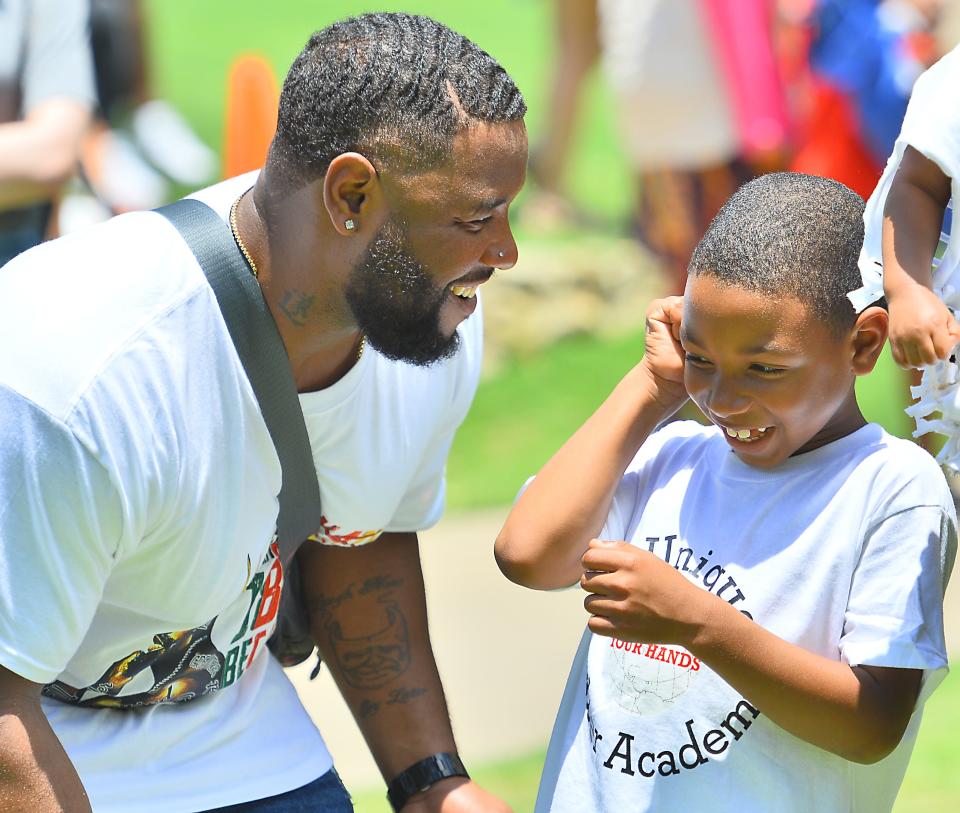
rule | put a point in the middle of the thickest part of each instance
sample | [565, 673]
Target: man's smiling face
[448, 232]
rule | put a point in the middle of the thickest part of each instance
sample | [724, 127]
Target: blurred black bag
[265, 362]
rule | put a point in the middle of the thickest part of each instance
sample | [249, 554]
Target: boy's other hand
[663, 356]
[922, 329]
[636, 596]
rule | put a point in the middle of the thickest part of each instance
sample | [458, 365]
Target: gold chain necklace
[236, 235]
[253, 265]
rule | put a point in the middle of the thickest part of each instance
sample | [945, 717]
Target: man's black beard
[396, 304]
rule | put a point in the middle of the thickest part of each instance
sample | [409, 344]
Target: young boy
[765, 595]
[907, 257]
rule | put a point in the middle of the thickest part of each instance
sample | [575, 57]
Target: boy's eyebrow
[770, 347]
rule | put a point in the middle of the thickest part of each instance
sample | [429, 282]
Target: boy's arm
[858, 713]
[547, 530]
[921, 328]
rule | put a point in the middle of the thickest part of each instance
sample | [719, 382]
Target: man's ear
[352, 195]
[869, 335]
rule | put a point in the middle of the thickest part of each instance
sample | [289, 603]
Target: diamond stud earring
[349, 225]
[500, 255]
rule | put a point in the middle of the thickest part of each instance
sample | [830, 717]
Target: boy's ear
[868, 336]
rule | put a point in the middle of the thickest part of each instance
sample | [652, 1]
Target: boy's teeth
[745, 434]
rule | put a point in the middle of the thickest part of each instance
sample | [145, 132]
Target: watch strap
[422, 775]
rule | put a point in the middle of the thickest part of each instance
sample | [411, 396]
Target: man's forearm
[368, 616]
[36, 775]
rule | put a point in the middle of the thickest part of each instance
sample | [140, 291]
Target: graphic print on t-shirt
[186, 664]
[330, 534]
[640, 681]
[646, 678]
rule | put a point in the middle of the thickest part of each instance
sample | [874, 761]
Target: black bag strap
[264, 360]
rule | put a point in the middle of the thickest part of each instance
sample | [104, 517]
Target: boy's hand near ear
[547, 531]
[663, 356]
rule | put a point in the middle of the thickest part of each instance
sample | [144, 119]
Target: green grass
[932, 783]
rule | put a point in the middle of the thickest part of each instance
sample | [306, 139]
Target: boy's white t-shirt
[138, 506]
[932, 127]
[844, 550]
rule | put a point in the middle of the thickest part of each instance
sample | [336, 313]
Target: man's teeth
[745, 434]
[467, 292]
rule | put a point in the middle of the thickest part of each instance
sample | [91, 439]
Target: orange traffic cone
[252, 99]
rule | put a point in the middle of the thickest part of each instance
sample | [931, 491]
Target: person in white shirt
[911, 253]
[139, 570]
[46, 98]
[764, 593]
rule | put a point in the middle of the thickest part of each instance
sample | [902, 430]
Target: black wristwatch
[422, 775]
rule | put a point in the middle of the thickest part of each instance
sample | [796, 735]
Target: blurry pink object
[742, 34]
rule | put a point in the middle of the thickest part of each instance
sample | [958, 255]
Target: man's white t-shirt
[844, 550]
[138, 506]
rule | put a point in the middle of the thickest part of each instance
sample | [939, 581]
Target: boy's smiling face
[769, 372]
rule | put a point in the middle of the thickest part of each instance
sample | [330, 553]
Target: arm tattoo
[367, 709]
[372, 660]
[404, 696]
[379, 651]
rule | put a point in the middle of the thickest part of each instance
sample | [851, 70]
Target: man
[138, 482]
[46, 95]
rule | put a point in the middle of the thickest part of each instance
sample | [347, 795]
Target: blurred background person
[853, 67]
[140, 150]
[46, 96]
[685, 109]
[700, 106]
[576, 51]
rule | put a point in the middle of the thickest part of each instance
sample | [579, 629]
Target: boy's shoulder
[900, 474]
[890, 471]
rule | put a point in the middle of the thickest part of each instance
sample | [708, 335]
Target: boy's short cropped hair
[789, 233]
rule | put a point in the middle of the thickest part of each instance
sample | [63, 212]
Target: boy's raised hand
[922, 329]
[636, 596]
[663, 356]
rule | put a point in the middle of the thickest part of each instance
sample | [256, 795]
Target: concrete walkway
[503, 652]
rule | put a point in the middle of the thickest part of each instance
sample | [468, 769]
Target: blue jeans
[324, 795]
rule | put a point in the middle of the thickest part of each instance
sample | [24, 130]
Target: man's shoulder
[220, 196]
[75, 304]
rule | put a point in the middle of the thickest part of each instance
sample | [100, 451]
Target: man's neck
[320, 338]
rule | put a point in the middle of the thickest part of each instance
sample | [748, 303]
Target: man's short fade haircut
[789, 233]
[394, 87]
